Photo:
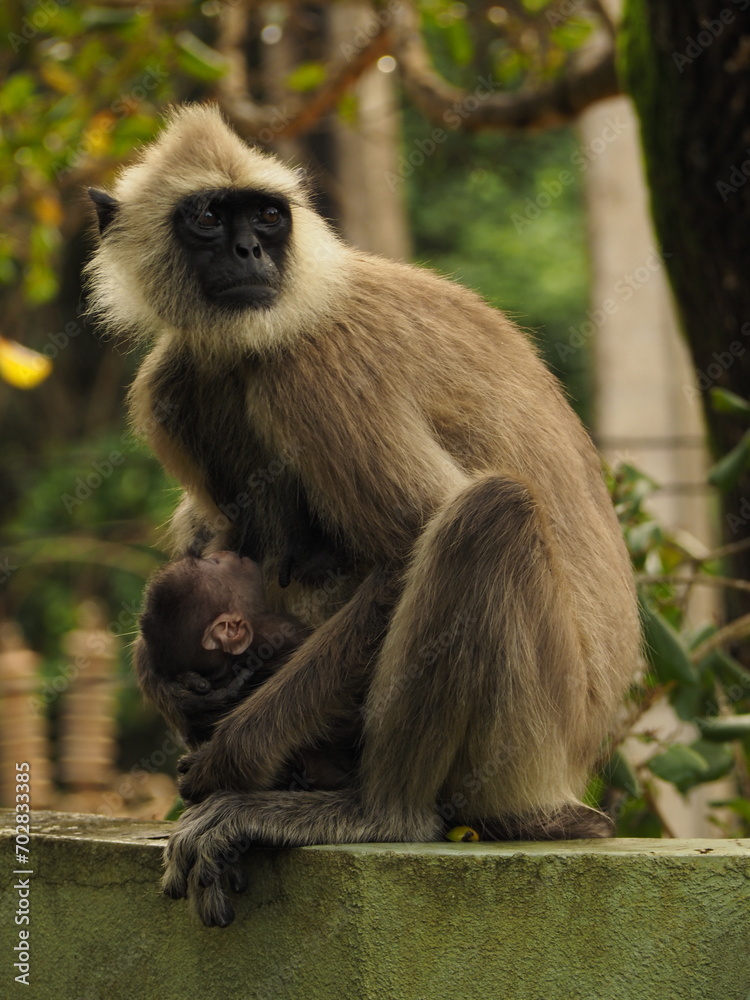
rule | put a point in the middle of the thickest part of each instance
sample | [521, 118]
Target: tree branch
[735, 631]
[591, 76]
[251, 118]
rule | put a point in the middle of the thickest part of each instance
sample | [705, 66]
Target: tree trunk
[687, 66]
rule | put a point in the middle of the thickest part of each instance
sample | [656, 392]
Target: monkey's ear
[228, 633]
[106, 207]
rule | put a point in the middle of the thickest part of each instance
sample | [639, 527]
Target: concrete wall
[611, 920]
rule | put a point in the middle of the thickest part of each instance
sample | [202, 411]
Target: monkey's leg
[479, 696]
[201, 859]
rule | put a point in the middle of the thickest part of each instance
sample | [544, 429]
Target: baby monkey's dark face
[236, 244]
[208, 639]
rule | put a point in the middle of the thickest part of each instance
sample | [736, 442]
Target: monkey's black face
[236, 244]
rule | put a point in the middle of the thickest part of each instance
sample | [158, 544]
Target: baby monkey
[208, 640]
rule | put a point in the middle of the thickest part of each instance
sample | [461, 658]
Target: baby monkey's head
[199, 621]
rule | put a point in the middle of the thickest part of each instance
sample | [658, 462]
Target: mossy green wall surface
[611, 920]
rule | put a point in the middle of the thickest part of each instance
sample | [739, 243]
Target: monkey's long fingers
[186, 762]
[222, 848]
[183, 847]
[179, 857]
[211, 903]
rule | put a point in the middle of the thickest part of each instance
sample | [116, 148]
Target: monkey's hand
[212, 767]
[198, 775]
[194, 705]
[322, 684]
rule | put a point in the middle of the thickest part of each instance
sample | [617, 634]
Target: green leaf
[686, 766]
[107, 17]
[199, 59]
[698, 635]
[721, 730]
[177, 809]
[665, 648]
[721, 663]
[724, 401]
[680, 765]
[718, 758]
[688, 701]
[348, 108]
[40, 284]
[644, 536]
[739, 806]
[618, 773]
[307, 76]
[572, 34]
[729, 469]
[459, 42]
[16, 92]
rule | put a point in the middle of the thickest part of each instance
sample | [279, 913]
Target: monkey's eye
[207, 218]
[269, 215]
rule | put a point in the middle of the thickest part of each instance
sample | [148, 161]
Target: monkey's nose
[243, 251]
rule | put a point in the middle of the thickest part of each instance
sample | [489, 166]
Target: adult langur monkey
[318, 402]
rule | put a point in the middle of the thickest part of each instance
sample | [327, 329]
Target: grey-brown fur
[195, 687]
[484, 614]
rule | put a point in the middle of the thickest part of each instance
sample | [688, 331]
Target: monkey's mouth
[246, 296]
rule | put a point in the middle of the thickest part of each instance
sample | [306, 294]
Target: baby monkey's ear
[229, 633]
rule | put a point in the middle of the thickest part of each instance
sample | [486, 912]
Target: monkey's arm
[399, 475]
[320, 688]
[194, 701]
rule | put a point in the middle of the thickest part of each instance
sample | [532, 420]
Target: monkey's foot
[572, 821]
[205, 868]
[203, 853]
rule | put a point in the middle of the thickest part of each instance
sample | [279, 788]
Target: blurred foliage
[525, 43]
[690, 667]
[492, 212]
[503, 213]
[83, 85]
